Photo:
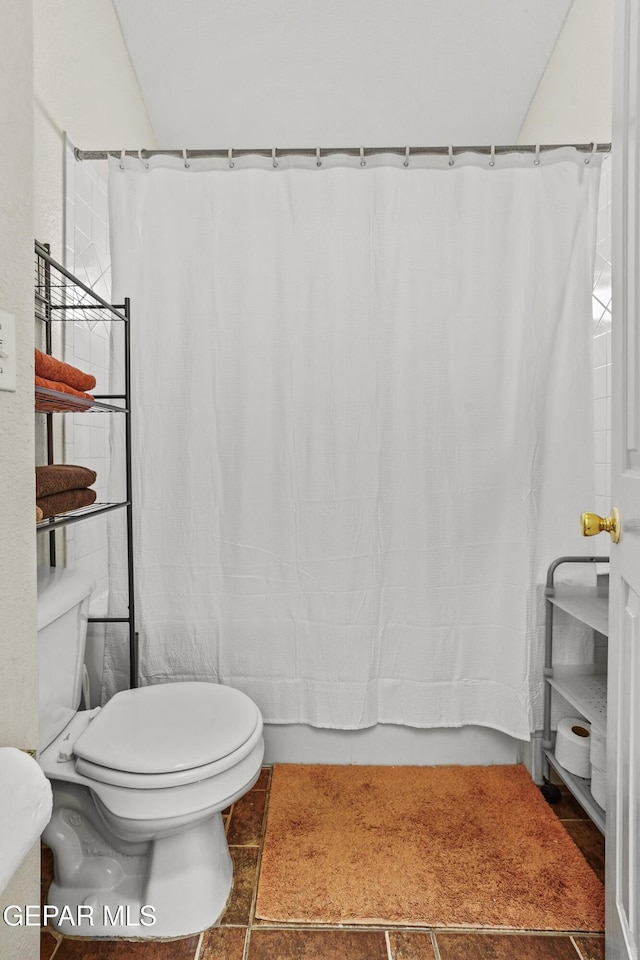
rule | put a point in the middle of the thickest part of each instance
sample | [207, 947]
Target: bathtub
[390, 744]
[385, 744]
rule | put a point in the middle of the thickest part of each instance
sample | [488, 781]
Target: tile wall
[86, 439]
[601, 302]
[602, 350]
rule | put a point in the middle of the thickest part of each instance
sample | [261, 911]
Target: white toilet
[138, 785]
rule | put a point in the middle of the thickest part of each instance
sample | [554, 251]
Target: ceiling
[261, 73]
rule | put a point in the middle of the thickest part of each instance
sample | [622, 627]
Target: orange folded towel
[61, 388]
[53, 369]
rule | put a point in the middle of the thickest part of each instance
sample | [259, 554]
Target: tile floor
[240, 937]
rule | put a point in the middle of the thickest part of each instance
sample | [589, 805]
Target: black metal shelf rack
[62, 297]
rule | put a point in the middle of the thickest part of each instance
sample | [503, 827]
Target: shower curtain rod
[318, 152]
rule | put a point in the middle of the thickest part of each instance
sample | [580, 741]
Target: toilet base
[105, 887]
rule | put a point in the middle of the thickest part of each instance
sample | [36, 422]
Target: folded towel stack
[53, 374]
[64, 502]
[61, 487]
[51, 368]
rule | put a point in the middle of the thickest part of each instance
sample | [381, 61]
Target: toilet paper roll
[598, 755]
[599, 786]
[573, 746]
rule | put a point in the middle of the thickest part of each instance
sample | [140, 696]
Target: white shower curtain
[361, 427]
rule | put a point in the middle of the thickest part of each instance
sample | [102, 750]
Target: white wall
[17, 539]
[573, 101]
[18, 716]
[85, 86]
[338, 72]
[573, 104]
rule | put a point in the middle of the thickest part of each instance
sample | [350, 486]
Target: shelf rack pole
[48, 345]
[133, 636]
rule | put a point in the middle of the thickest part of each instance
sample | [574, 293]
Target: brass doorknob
[593, 524]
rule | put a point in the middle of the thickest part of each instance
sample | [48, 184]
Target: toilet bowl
[138, 787]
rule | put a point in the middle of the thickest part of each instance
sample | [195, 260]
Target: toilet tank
[62, 611]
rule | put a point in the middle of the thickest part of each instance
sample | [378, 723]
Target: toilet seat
[158, 781]
[172, 804]
[168, 735]
[175, 804]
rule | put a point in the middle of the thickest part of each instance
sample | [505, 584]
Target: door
[623, 724]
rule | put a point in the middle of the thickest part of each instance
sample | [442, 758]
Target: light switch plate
[7, 351]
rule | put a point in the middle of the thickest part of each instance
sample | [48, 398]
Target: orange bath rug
[421, 846]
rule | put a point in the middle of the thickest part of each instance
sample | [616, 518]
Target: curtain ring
[318, 160]
[186, 162]
[406, 156]
[593, 150]
[142, 159]
[492, 161]
[451, 160]
[537, 158]
[273, 157]
[122, 153]
[363, 162]
[231, 161]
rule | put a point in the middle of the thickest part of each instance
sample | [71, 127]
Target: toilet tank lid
[60, 590]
